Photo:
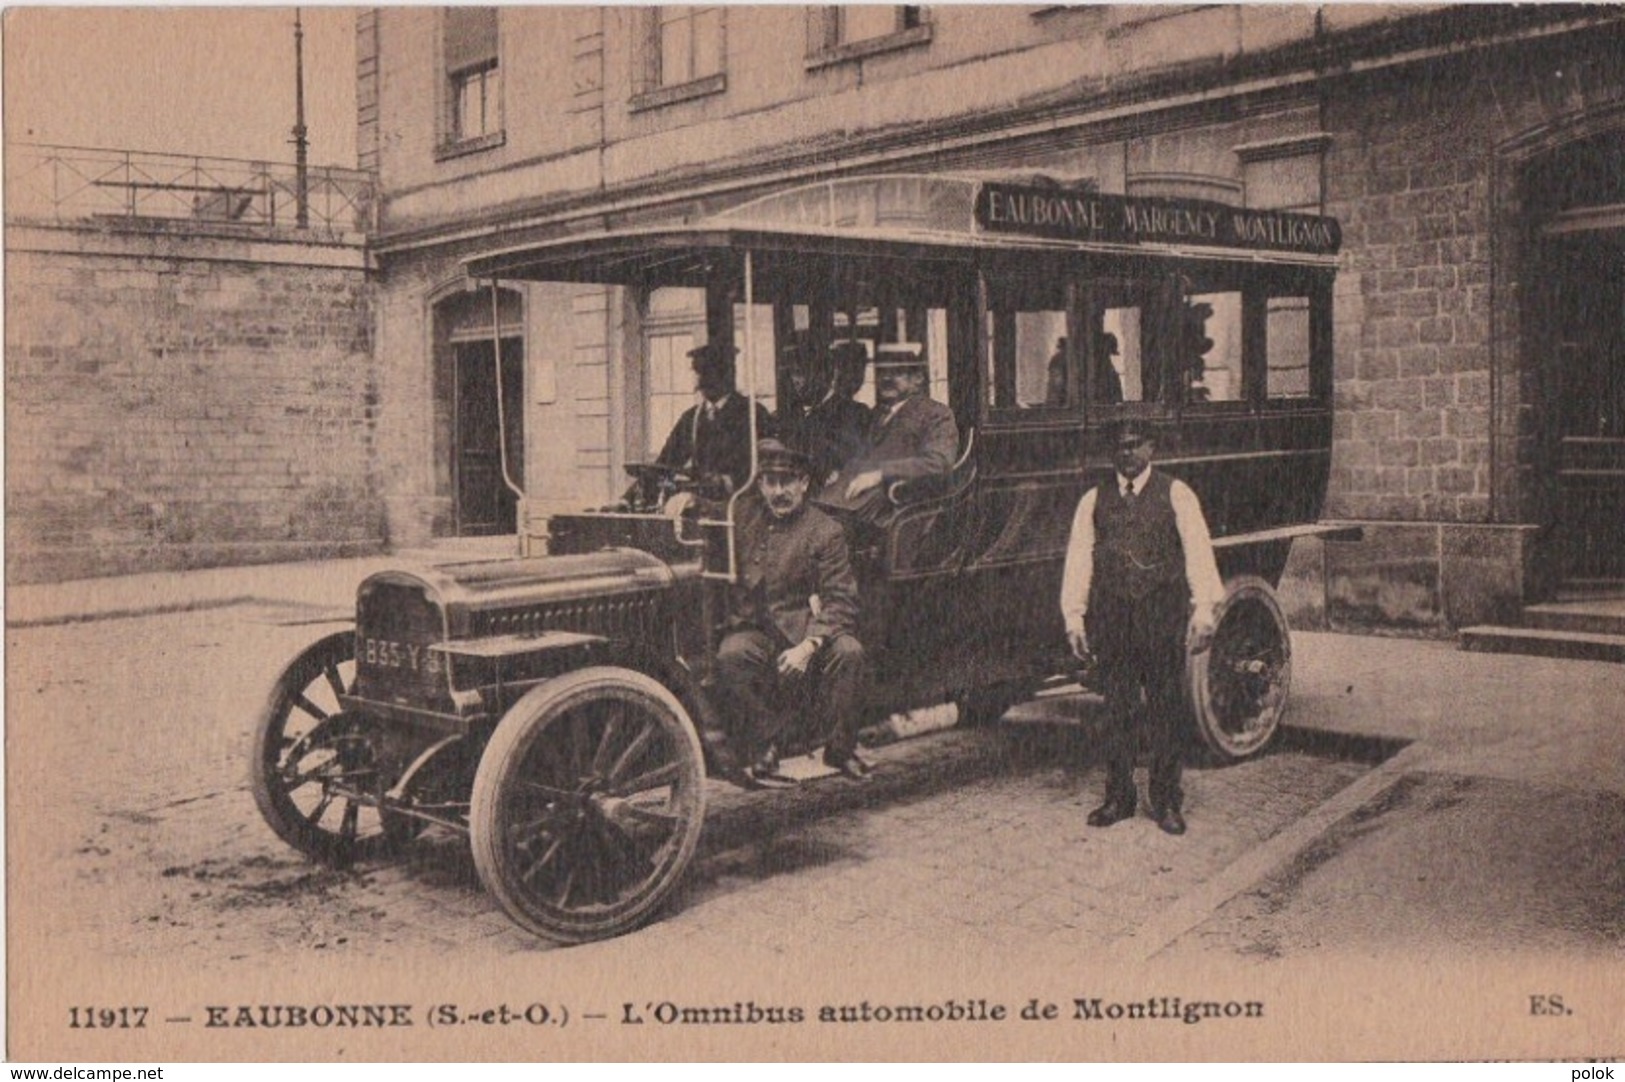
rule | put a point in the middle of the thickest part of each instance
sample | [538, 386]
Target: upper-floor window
[472, 117]
[850, 32]
[690, 43]
[682, 49]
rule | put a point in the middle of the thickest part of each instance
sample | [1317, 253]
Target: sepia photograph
[1077, 532]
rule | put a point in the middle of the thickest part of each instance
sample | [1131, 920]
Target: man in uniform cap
[1140, 571]
[788, 645]
[910, 435]
[711, 440]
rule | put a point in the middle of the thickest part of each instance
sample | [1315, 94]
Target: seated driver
[711, 440]
[788, 648]
[909, 435]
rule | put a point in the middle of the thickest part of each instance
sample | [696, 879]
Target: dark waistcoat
[1137, 547]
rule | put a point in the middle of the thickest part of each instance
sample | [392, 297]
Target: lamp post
[301, 145]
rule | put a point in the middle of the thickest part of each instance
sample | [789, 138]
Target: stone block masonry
[178, 401]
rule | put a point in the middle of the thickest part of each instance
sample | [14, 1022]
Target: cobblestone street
[1420, 808]
[973, 836]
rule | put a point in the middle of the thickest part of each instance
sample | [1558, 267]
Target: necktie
[1128, 491]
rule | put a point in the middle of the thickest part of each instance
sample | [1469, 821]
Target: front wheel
[1238, 687]
[587, 804]
[317, 771]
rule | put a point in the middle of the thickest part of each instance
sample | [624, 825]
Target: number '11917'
[107, 1018]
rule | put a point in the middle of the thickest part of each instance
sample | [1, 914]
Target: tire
[588, 803]
[314, 768]
[985, 706]
[1238, 687]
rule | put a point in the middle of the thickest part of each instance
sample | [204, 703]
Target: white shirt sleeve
[1201, 568]
[1080, 564]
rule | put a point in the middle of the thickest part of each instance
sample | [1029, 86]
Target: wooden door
[1589, 412]
[485, 504]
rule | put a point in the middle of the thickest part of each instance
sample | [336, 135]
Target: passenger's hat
[713, 353]
[1108, 342]
[774, 457]
[842, 352]
[1130, 432]
[898, 355]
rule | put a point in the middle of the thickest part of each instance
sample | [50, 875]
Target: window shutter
[471, 37]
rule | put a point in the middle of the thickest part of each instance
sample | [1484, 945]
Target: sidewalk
[320, 583]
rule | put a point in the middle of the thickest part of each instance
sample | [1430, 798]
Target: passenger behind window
[1056, 391]
[910, 435]
[1108, 387]
[831, 427]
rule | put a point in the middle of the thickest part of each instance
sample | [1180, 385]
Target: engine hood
[477, 586]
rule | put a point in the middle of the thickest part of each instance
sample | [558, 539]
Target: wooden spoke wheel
[317, 771]
[587, 804]
[1238, 687]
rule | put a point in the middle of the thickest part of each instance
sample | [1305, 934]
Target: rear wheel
[984, 706]
[587, 804]
[1238, 687]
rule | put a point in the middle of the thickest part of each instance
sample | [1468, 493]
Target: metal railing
[64, 184]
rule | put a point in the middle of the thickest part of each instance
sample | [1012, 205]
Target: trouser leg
[1165, 701]
[1163, 710]
[1122, 692]
[837, 672]
[746, 681]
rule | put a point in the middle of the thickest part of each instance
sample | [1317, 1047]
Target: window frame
[450, 140]
[1087, 286]
[650, 91]
[826, 44]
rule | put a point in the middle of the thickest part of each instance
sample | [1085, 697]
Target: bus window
[1287, 347]
[1131, 322]
[1211, 351]
[1123, 349]
[1026, 342]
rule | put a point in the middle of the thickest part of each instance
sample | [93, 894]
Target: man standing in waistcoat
[1140, 571]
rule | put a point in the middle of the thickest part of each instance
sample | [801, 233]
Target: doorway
[1578, 193]
[484, 504]
[1588, 412]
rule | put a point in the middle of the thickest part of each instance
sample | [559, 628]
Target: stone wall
[1429, 362]
[177, 400]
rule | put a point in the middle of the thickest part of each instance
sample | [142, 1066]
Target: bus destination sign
[1118, 219]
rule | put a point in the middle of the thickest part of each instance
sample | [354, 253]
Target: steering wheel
[655, 473]
[653, 483]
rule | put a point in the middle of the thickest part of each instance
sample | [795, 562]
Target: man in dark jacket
[788, 645]
[833, 427]
[1140, 574]
[711, 440]
[910, 436]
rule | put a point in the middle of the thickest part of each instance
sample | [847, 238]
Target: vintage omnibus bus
[558, 708]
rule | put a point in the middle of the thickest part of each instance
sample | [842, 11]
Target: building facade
[1475, 156]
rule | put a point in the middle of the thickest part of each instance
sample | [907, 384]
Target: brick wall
[1437, 393]
[1408, 177]
[176, 401]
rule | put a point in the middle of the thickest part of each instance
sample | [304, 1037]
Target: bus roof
[938, 218]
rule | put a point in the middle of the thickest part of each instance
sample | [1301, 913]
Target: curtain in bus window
[1286, 339]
